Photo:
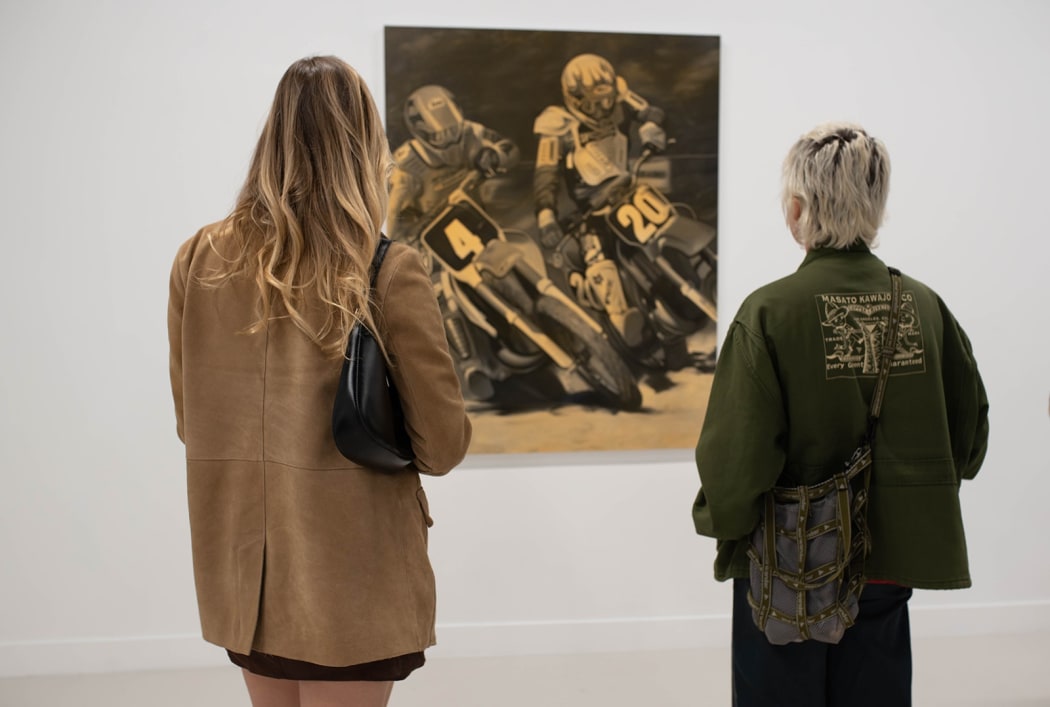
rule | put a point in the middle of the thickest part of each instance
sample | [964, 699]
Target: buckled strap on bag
[769, 551]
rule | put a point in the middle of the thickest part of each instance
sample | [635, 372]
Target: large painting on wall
[562, 188]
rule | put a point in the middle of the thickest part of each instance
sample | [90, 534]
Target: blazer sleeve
[431, 397]
[741, 452]
[176, 303]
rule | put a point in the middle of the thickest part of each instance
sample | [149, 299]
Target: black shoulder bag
[807, 554]
[367, 421]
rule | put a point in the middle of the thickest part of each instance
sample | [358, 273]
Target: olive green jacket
[789, 405]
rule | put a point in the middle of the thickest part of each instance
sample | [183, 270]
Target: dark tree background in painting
[505, 78]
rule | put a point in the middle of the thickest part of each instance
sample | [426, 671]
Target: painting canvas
[562, 189]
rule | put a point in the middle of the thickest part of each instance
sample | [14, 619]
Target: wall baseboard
[107, 655]
[462, 640]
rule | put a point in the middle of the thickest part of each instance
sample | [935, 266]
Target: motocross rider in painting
[585, 144]
[444, 147]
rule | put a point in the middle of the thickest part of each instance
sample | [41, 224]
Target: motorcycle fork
[686, 289]
[545, 287]
[517, 320]
[454, 297]
[548, 289]
[654, 252]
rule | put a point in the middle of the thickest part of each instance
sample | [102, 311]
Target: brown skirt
[274, 666]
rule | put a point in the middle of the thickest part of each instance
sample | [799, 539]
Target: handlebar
[468, 182]
[646, 154]
[473, 177]
[613, 189]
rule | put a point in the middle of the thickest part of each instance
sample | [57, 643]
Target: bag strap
[889, 347]
[377, 260]
[377, 263]
[863, 457]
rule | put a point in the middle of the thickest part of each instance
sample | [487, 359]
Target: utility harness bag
[807, 553]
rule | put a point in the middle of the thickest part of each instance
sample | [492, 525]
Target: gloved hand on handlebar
[403, 221]
[409, 213]
[653, 136]
[488, 162]
[550, 231]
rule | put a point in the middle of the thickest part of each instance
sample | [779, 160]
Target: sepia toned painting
[562, 188]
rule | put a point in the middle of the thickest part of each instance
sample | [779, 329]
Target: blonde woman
[311, 571]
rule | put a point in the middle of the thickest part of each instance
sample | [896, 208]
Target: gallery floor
[996, 671]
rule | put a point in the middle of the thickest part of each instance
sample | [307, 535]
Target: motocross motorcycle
[503, 312]
[667, 263]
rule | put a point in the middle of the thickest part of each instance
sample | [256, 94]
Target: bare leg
[271, 692]
[320, 693]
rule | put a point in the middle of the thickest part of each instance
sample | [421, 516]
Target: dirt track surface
[669, 419]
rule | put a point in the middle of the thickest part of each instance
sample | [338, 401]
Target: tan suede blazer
[296, 551]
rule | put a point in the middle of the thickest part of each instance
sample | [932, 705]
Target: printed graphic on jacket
[854, 324]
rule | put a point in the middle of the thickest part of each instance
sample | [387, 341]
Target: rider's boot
[604, 281]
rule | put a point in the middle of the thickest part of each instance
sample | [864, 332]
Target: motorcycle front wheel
[596, 360]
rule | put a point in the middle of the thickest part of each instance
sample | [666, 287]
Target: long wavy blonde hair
[308, 218]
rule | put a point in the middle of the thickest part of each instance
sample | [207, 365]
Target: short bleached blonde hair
[840, 176]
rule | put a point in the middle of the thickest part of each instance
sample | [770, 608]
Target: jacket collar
[856, 248]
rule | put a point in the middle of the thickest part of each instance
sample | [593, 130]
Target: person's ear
[793, 215]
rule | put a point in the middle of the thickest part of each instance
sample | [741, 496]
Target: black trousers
[870, 666]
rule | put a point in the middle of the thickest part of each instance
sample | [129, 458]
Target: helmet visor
[598, 100]
[440, 123]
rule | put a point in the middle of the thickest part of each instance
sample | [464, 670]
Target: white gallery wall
[125, 126]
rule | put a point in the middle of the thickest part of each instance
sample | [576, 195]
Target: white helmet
[432, 116]
[588, 84]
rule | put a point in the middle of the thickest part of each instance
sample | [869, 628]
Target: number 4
[463, 241]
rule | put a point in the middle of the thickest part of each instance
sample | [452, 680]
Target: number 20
[645, 214]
